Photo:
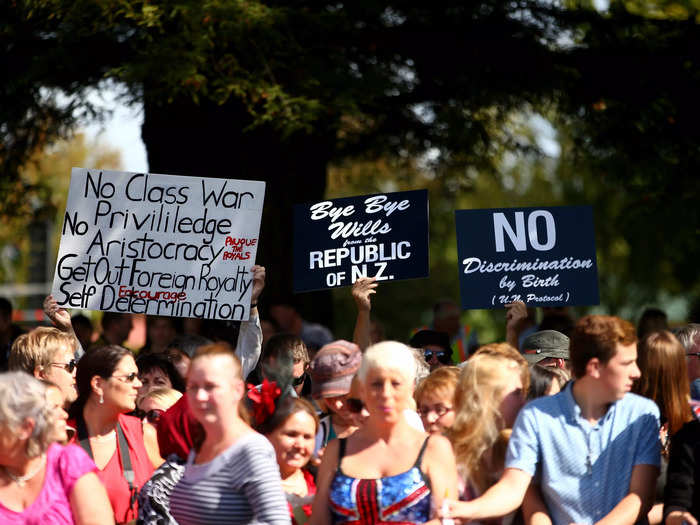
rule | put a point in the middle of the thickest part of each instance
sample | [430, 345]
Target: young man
[594, 447]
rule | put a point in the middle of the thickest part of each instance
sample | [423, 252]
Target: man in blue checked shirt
[593, 448]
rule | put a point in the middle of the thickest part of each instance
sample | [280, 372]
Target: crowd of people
[275, 421]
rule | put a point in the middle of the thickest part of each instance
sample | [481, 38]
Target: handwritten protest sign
[159, 244]
[542, 256]
[338, 241]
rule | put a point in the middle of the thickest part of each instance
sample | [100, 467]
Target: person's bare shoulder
[438, 444]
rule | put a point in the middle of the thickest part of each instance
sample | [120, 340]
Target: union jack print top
[403, 498]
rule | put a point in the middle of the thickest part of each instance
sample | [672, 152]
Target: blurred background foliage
[487, 103]
[38, 196]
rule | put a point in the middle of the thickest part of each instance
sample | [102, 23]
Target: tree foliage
[39, 194]
[280, 89]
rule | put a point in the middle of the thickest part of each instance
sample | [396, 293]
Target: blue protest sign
[542, 256]
[338, 241]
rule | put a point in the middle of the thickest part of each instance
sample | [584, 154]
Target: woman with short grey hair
[386, 463]
[22, 398]
[40, 481]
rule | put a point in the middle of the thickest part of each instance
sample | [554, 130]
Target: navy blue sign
[542, 256]
[338, 241]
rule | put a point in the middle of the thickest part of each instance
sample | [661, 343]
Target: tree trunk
[208, 140]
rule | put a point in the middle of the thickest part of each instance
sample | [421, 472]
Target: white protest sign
[159, 244]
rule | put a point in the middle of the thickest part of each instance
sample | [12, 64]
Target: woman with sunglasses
[435, 346]
[332, 370]
[108, 385]
[157, 371]
[49, 355]
[151, 407]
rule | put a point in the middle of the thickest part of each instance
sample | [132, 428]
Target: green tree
[38, 196]
[277, 91]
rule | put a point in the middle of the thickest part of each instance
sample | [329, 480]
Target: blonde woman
[151, 407]
[49, 355]
[387, 470]
[490, 392]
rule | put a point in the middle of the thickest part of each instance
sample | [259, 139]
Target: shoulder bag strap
[84, 442]
[82, 436]
[126, 464]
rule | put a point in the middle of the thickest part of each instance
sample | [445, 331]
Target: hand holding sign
[516, 313]
[58, 316]
[361, 290]
[258, 283]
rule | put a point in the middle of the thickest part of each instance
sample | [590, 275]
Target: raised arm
[361, 291]
[516, 313]
[249, 344]
[61, 320]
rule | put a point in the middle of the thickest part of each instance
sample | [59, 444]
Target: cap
[543, 344]
[333, 368]
[431, 337]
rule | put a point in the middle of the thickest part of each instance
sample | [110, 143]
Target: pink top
[64, 466]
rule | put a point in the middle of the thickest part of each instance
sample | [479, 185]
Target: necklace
[22, 480]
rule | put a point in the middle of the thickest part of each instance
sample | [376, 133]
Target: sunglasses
[68, 367]
[152, 416]
[354, 405]
[299, 380]
[128, 379]
[441, 355]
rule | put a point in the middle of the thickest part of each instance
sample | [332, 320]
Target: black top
[683, 482]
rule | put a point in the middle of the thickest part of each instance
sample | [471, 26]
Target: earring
[102, 399]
